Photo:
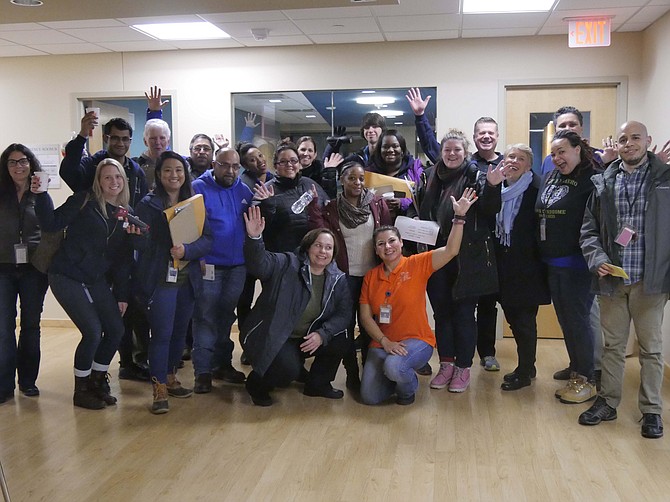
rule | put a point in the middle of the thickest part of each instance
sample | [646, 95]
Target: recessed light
[506, 6]
[368, 92]
[182, 31]
[27, 3]
[375, 100]
[310, 116]
[397, 123]
[274, 100]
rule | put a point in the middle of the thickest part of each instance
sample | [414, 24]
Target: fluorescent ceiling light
[397, 123]
[27, 3]
[274, 100]
[181, 31]
[310, 116]
[508, 6]
[389, 114]
[368, 92]
[375, 100]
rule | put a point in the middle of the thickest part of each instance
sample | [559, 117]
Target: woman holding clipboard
[166, 289]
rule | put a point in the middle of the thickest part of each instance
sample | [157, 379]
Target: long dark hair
[6, 181]
[185, 191]
[377, 159]
[575, 140]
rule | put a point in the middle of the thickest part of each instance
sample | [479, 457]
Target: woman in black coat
[522, 276]
[304, 310]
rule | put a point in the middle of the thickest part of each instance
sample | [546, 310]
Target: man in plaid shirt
[625, 230]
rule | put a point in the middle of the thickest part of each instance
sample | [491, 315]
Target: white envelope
[421, 231]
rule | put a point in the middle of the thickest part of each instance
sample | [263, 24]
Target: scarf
[511, 202]
[352, 216]
[441, 184]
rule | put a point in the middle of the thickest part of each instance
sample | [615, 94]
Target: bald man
[625, 227]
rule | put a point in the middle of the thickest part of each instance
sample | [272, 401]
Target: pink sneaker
[443, 376]
[460, 380]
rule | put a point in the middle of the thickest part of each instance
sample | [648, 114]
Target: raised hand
[250, 120]
[496, 175]
[220, 140]
[254, 222]
[334, 160]
[154, 99]
[664, 153]
[417, 104]
[462, 205]
[88, 123]
[261, 192]
[609, 152]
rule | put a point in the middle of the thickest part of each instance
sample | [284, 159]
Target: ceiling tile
[598, 4]
[347, 38]
[338, 26]
[241, 17]
[633, 27]
[39, 37]
[206, 44]
[649, 14]
[120, 34]
[619, 15]
[19, 50]
[85, 23]
[328, 13]
[70, 48]
[401, 36]
[192, 18]
[498, 21]
[279, 28]
[21, 27]
[498, 32]
[554, 30]
[147, 45]
[417, 8]
[272, 41]
[420, 23]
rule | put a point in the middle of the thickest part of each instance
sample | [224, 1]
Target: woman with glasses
[19, 279]
[284, 228]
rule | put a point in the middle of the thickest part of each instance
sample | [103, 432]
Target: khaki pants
[646, 311]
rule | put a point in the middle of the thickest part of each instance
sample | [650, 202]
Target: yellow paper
[186, 221]
[617, 271]
[374, 180]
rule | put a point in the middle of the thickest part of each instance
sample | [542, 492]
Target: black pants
[522, 320]
[486, 325]
[286, 366]
[135, 341]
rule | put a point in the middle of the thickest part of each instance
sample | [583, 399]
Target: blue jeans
[214, 316]
[95, 312]
[29, 285]
[169, 313]
[385, 374]
[572, 298]
[455, 324]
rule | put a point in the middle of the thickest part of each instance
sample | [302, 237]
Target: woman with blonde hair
[90, 274]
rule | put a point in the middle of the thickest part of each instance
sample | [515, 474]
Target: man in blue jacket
[226, 200]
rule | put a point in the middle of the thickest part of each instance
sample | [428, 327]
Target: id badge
[385, 314]
[21, 253]
[172, 273]
[209, 274]
[543, 229]
[627, 235]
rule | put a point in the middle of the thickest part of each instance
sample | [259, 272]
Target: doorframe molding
[621, 83]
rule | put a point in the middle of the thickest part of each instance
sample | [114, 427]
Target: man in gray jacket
[625, 230]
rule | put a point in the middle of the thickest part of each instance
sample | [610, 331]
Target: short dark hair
[311, 237]
[6, 182]
[120, 124]
[372, 119]
[485, 120]
[377, 154]
[348, 165]
[185, 191]
[384, 228]
[201, 136]
[569, 109]
[282, 148]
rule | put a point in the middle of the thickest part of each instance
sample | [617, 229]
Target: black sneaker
[134, 372]
[652, 426]
[229, 374]
[405, 401]
[203, 383]
[30, 390]
[599, 411]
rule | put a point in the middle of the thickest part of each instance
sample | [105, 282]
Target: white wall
[38, 92]
[653, 107]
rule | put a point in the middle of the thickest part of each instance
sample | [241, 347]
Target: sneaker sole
[457, 390]
[565, 401]
[437, 387]
[492, 368]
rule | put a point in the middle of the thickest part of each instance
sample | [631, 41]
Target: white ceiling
[73, 27]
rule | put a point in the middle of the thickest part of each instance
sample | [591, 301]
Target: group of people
[329, 258]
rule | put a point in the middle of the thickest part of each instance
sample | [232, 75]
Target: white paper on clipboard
[424, 232]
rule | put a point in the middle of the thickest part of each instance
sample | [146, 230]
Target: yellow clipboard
[374, 180]
[186, 221]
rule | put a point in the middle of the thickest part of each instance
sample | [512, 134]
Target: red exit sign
[595, 32]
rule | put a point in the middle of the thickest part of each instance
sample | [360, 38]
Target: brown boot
[100, 382]
[174, 387]
[160, 404]
[85, 395]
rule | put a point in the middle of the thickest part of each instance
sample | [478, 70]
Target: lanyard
[637, 193]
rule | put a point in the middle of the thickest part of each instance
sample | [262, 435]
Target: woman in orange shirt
[393, 310]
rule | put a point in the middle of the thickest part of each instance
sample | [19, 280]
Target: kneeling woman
[304, 310]
[167, 293]
[393, 310]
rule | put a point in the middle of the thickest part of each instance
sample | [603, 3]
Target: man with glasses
[201, 155]
[78, 170]
[226, 200]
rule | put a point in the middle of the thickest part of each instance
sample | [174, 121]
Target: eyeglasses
[201, 148]
[285, 163]
[24, 162]
[227, 166]
[119, 139]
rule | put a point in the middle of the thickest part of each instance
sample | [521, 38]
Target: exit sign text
[590, 32]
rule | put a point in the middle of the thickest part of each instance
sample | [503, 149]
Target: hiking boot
[175, 389]
[100, 382]
[580, 391]
[85, 395]
[160, 403]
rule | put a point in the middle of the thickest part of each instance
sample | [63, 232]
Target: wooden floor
[480, 445]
